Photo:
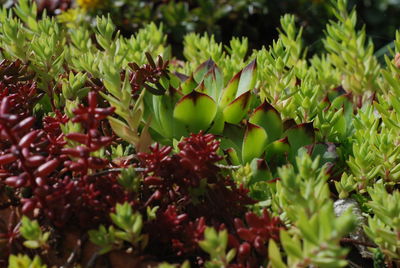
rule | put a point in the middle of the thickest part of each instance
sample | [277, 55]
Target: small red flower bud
[71, 151]
[5, 105]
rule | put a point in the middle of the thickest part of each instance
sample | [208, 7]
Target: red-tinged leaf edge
[238, 108]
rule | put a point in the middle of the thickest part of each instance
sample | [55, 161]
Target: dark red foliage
[148, 73]
[61, 179]
[52, 125]
[198, 155]
[191, 192]
[254, 237]
[62, 183]
[16, 83]
[89, 117]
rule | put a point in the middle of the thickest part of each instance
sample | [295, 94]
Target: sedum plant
[21, 261]
[240, 159]
[130, 226]
[314, 238]
[352, 54]
[383, 226]
[215, 244]
[35, 238]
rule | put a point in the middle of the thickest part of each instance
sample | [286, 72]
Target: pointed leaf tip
[247, 78]
[196, 110]
[254, 142]
[202, 70]
[238, 108]
[267, 117]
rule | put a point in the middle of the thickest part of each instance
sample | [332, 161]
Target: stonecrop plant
[115, 152]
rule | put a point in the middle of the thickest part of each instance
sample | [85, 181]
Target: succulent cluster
[229, 159]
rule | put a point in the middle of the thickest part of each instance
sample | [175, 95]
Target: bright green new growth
[350, 54]
[342, 105]
[33, 234]
[315, 241]
[302, 196]
[215, 244]
[129, 229]
[23, 261]
[231, 59]
[384, 227]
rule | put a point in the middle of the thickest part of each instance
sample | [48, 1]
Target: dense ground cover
[113, 152]
[255, 19]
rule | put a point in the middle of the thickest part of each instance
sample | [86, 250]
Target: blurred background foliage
[255, 19]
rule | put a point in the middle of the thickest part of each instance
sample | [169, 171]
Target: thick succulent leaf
[289, 123]
[163, 111]
[188, 86]
[274, 255]
[217, 126]
[260, 171]
[268, 118]
[160, 110]
[145, 139]
[341, 125]
[229, 92]
[150, 111]
[232, 137]
[123, 131]
[237, 109]
[232, 156]
[247, 78]
[242, 82]
[202, 70]
[213, 82]
[345, 102]
[300, 136]
[196, 110]
[254, 142]
[276, 153]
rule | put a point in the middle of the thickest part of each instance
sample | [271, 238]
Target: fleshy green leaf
[229, 92]
[300, 136]
[274, 255]
[254, 142]
[202, 70]
[238, 108]
[213, 83]
[268, 118]
[260, 171]
[247, 78]
[123, 131]
[276, 153]
[196, 110]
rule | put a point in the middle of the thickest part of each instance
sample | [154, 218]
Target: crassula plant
[114, 152]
